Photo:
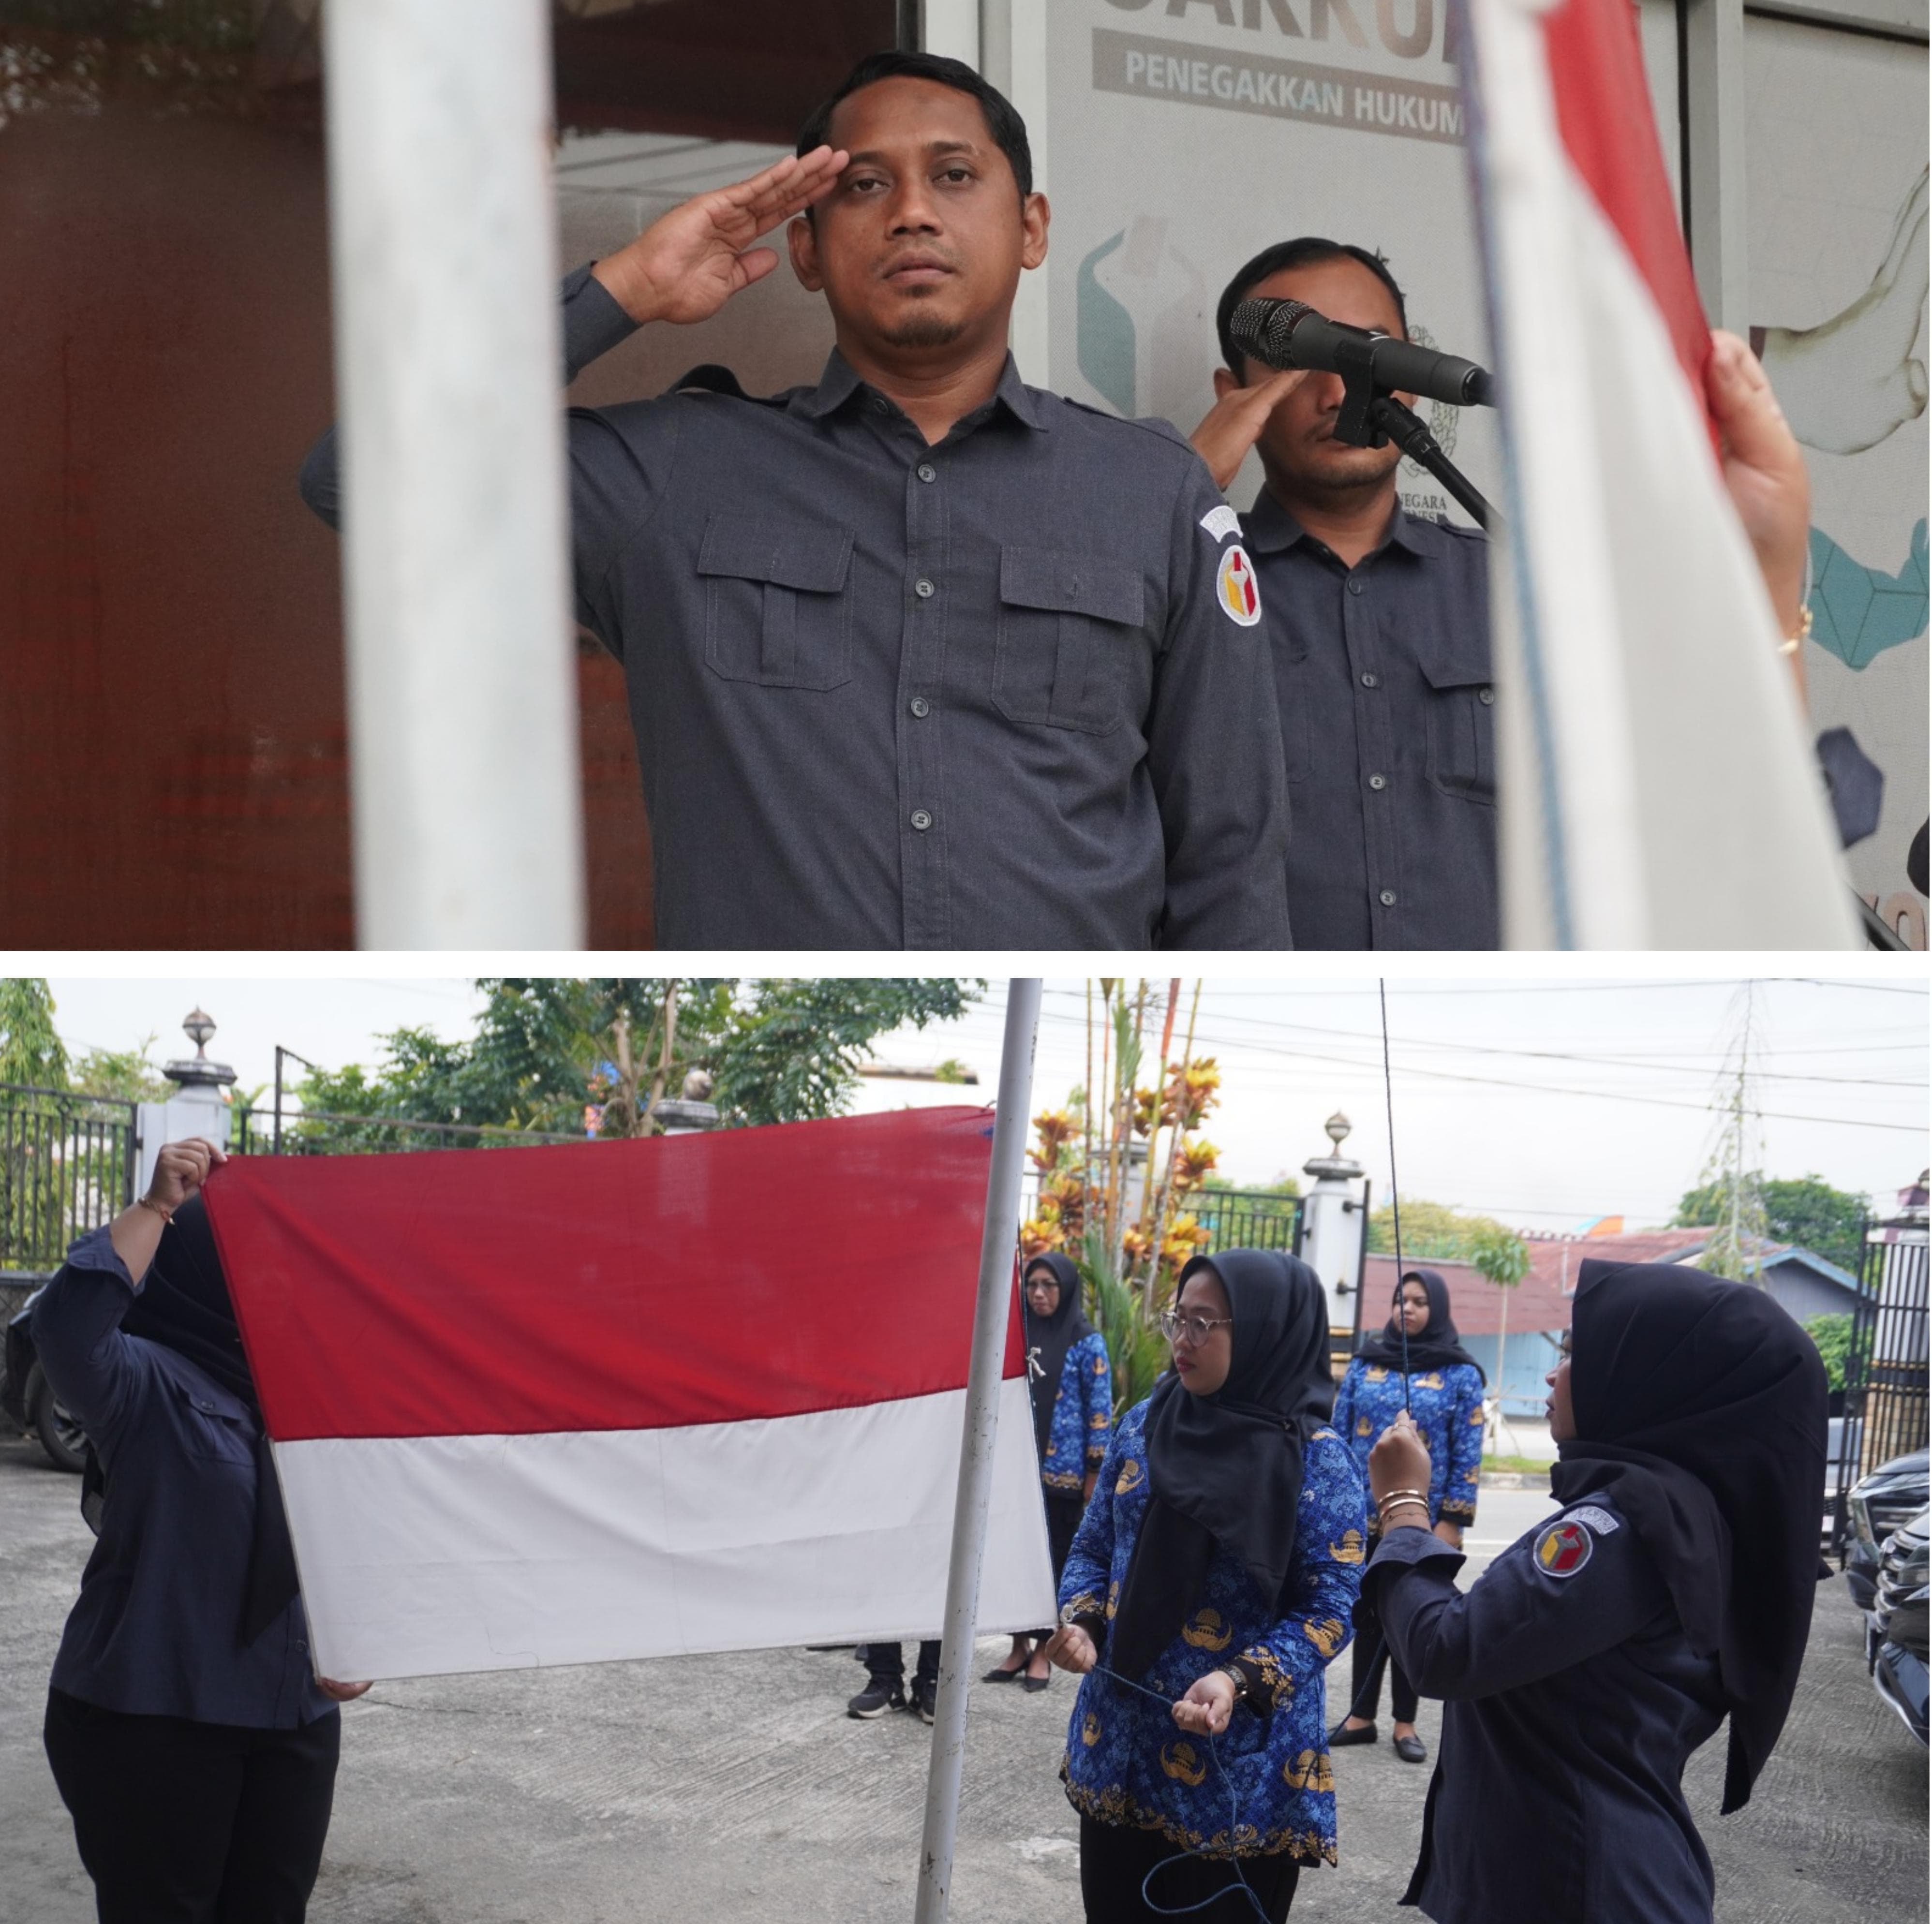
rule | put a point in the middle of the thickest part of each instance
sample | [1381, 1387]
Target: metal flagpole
[990, 1314]
[462, 683]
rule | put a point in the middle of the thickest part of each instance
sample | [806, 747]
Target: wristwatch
[1239, 1679]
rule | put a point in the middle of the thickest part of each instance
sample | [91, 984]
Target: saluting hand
[1399, 1460]
[1234, 424]
[685, 265]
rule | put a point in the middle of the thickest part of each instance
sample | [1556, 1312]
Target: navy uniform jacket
[155, 1630]
[998, 693]
[1572, 1701]
[1388, 729]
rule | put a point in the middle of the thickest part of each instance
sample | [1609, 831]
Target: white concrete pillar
[462, 683]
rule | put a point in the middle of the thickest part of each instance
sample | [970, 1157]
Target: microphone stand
[1371, 416]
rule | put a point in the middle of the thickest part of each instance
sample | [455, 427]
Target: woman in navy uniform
[1418, 1363]
[1674, 1590]
[1210, 1585]
[1072, 1384]
[190, 1737]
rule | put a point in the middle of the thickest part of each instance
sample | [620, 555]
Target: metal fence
[1885, 1406]
[66, 1166]
[1246, 1219]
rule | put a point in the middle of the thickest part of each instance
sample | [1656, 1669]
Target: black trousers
[1115, 1859]
[1064, 1512]
[1370, 1651]
[182, 1822]
[885, 1663]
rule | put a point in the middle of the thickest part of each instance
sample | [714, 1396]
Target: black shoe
[925, 1704]
[878, 1697]
[1341, 1735]
[1410, 1749]
[998, 1676]
[1037, 1684]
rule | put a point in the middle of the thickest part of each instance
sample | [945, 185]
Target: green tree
[1502, 1257]
[1833, 1336]
[1429, 1228]
[1805, 1210]
[120, 1075]
[30, 1050]
[546, 1048]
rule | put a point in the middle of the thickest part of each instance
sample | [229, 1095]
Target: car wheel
[60, 1435]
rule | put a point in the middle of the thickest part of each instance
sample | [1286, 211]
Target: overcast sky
[1546, 1103]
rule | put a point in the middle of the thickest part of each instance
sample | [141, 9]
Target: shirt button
[1486, 696]
[1354, 586]
[1378, 781]
[921, 820]
[927, 471]
[880, 405]
[921, 706]
[1370, 680]
[1387, 898]
[301, 1648]
[924, 590]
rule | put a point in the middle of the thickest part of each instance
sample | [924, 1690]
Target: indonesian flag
[1660, 789]
[559, 1405]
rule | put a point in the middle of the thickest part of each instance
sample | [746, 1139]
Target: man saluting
[920, 657]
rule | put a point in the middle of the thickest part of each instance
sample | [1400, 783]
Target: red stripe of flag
[639, 1285]
[1603, 113]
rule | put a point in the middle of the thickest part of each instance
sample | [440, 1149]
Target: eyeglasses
[1195, 1328]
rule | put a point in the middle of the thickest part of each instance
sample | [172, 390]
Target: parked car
[28, 1400]
[1895, 1650]
[1893, 1494]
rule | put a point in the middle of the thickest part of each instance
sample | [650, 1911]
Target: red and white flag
[1659, 786]
[560, 1405]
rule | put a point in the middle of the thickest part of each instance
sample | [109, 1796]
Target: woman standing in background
[1443, 1392]
[1073, 1389]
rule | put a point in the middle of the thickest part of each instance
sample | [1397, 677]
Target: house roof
[1541, 1301]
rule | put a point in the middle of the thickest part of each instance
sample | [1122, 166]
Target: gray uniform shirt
[996, 693]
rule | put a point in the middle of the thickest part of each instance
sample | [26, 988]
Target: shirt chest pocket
[211, 1434]
[1070, 632]
[776, 611]
[1462, 730]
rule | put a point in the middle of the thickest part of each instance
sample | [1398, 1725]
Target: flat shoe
[1037, 1684]
[1341, 1734]
[1410, 1749]
[1004, 1676]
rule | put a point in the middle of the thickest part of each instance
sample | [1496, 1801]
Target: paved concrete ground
[735, 1789]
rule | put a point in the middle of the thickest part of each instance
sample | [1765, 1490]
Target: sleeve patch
[1236, 589]
[1563, 1547]
[1601, 1521]
[1221, 522]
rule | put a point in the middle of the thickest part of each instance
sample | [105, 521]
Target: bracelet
[1402, 1496]
[1791, 644]
[164, 1210]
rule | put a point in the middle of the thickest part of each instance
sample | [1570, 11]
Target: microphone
[1286, 334]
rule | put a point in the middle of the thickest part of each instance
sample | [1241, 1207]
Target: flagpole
[990, 1314]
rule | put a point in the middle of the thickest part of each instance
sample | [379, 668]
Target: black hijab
[184, 1305]
[1700, 1407]
[1048, 1339]
[1434, 1346]
[1225, 1468]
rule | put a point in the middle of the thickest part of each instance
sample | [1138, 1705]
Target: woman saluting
[1418, 1363]
[1675, 1589]
[1217, 1565]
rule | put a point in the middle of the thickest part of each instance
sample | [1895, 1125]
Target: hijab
[1434, 1346]
[1700, 1408]
[1048, 1339]
[1224, 1469]
[184, 1306]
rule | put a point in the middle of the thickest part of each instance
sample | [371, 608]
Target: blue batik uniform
[1127, 1763]
[1083, 1417]
[1447, 1406]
